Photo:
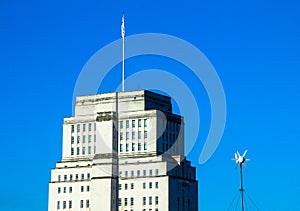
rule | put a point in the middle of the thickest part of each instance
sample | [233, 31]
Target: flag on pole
[123, 51]
[123, 27]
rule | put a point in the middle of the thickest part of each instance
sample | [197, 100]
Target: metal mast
[241, 185]
[240, 161]
[123, 50]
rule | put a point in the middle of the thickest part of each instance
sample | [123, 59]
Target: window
[125, 202]
[58, 190]
[127, 147]
[126, 173]
[120, 186]
[156, 185]
[78, 139]
[138, 173]
[140, 123]
[156, 200]
[127, 135]
[132, 185]
[133, 123]
[71, 177]
[121, 147]
[133, 146]
[144, 173]
[121, 124]
[127, 123]
[83, 139]
[121, 136]
[133, 135]
[70, 204]
[58, 205]
[65, 189]
[78, 128]
[126, 186]
[90, 139]
[88, 176]
[132, 173]
[65, 177]
[59, 178]
[83, 150]
[82, 176]
[145, 146]
[89, 150]
[88, 188]
[150, 200]
[82, 188]
[72, 128]
[131, 201]
[81, 203]
[144, 185]
[150, 185]
[72, 151]
[83, 127]
[150, 172]
[78, 150]
[144, 200]
[90, 126]
[76, 177]
[156, 172]
[139, 135]
[145, 122]
[72, 139]
[145, 134]
[70, 190]
[120, 202]
[139, 146]
[64, 204]
[87, 203]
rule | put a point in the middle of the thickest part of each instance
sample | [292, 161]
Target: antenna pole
[241, 188]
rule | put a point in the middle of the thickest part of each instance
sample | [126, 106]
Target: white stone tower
[123, 151]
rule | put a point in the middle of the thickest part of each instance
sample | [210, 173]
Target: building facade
[123, 151]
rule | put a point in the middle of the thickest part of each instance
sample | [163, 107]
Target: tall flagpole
[123, 51]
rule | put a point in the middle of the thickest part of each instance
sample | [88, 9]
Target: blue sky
[253, 45]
